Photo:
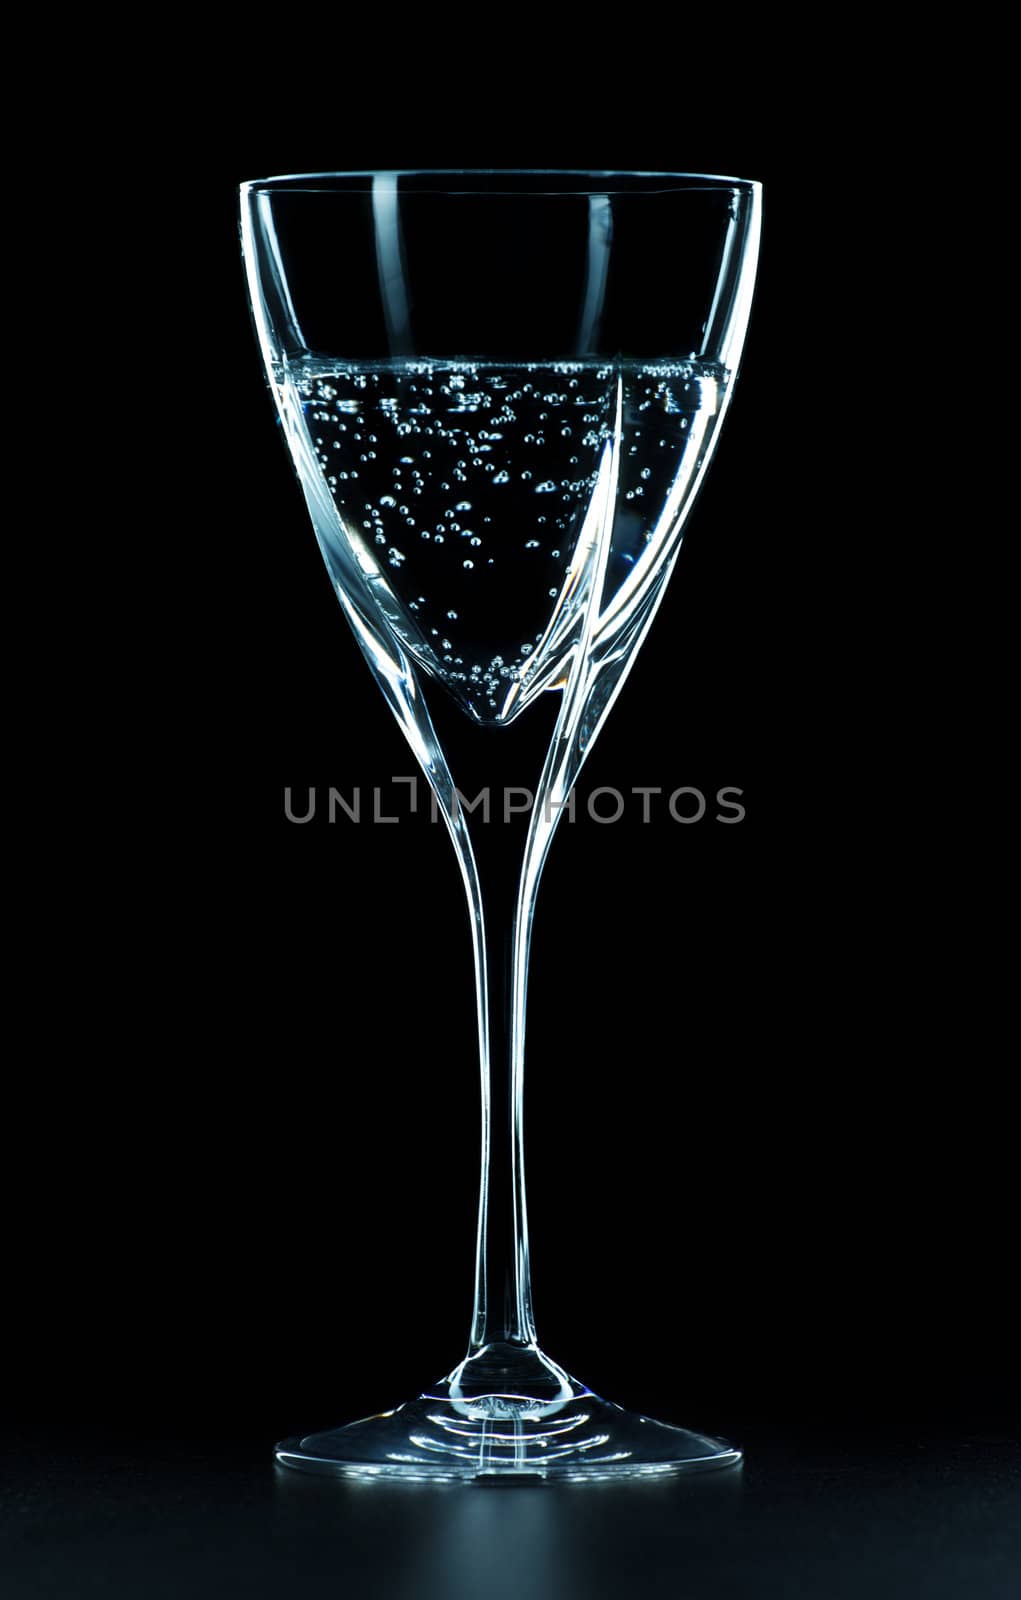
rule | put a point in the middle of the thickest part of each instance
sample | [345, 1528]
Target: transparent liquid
[462, 490]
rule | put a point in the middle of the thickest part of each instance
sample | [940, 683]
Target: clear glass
[501, 391]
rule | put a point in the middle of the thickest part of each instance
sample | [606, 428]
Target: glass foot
[457, 1432]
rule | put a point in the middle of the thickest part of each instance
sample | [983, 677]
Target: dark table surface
[815, 1514]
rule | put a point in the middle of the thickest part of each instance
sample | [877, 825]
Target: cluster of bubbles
[469, 484]
[454, 474]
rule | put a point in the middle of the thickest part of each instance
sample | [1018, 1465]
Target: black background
[762, 1114]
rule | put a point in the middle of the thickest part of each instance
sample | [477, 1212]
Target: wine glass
[501, 391]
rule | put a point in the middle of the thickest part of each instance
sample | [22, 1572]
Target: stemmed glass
[501, 391]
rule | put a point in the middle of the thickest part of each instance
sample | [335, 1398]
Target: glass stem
[501, 934]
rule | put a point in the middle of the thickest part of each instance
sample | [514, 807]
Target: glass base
[556, 1429]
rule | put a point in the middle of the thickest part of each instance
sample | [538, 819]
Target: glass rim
[601, 181]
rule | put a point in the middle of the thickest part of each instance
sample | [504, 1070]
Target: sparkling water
[464, 492]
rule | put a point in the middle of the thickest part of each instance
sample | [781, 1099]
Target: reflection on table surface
[816, 1513]
[565, 1542]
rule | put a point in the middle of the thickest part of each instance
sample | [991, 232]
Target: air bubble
[468, 565]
